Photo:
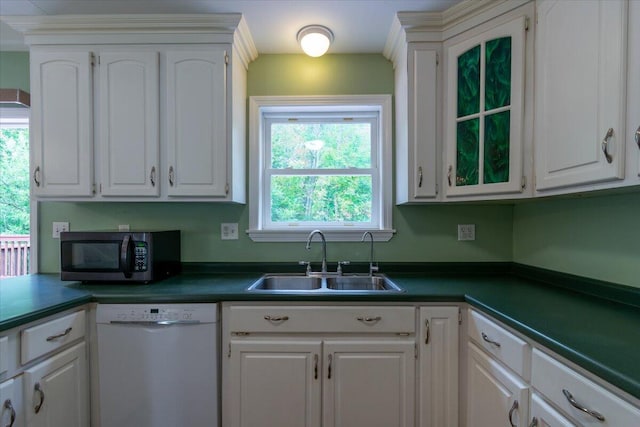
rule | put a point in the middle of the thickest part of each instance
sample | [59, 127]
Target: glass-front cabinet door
[484, 116]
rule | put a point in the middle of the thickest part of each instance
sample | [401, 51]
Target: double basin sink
[290, 283]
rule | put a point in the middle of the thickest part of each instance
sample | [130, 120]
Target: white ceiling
[359, 26]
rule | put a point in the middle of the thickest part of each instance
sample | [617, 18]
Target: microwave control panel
[141, 258]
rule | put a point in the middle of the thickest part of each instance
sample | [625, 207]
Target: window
[17, 253]
[320, 162]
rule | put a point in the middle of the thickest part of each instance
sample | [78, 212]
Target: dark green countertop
[600, 335]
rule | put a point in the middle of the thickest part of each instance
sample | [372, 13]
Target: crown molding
[439, 26]
[226, 27]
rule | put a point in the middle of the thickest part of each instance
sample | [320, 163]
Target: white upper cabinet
[196, 123]
[484, 114]
[170, 106]
[128, 124]
[61, 130]
[581, 53]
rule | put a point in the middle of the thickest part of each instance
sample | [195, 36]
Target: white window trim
[258, 105]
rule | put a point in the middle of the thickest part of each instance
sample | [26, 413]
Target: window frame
[261, 230]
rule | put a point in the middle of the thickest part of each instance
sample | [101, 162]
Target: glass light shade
[315, 40]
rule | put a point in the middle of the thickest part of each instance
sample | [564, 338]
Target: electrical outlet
[229, 231]
[466, 232]
[59, 227]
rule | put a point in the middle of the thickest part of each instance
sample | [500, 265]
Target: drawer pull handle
[369, 319]
[152, 176]
[7, 405]
[597, 415]
[63, 334]
[276, 318]
[511, 411]
[171, 176]
[38, 389]
[329, 368]
[420, 177]
[638, 137]
[605, 145]
[534, 422]
[490, 341]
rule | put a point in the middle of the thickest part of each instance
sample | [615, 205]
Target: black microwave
[122, 256]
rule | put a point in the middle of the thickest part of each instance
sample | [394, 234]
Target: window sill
[331, 235]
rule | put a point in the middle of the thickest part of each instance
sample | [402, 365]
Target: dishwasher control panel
[203, 313]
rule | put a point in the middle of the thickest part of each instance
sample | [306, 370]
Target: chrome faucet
[324, 248]
[372, 268]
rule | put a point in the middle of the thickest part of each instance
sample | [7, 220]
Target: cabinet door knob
[9, 406]
[38, 389]
[605, 145]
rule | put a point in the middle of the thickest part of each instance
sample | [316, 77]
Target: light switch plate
[229, 231]
[466, 232]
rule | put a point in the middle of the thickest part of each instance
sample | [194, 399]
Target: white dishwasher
[158, 365]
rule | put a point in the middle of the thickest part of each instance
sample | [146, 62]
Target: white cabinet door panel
[196, 123]
[544, 415]
[11, 403]
[580, 92]
[273, 383]
[61, 134]
[129, 111]
[57, 389]
[368, 383]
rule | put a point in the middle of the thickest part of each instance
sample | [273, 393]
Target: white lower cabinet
[438, 367]
[295, 366]
[273, 383]
[544, 415]
[495, 395]
[11, 412]
[55, 390]
[368, 383]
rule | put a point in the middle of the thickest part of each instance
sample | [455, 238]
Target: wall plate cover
[229, 231]
[466, 232]
[59, 227]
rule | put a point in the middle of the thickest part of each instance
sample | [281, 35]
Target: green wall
[424, 233]
[596, 237]
[14, 70]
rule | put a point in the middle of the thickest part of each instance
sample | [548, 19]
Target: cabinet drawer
[322, 319]
[552, 378]
[505, 346]
[42, 339]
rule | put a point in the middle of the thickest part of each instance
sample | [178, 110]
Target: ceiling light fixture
[315, 39]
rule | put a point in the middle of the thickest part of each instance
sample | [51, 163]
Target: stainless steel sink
[282, 283]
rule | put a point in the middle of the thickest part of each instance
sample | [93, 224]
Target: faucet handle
[308, 264]
[340, 264]
[373, 268]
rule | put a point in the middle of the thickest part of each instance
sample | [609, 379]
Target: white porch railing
[14, 255]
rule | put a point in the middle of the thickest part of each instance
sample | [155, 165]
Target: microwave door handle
[125, 256]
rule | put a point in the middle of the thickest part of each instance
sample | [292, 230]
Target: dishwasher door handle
[155, 323]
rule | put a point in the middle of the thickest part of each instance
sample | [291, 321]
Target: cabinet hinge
[226, 188]
[526, 23]
[459, 316]
[93, 59]
[437, 189]
[100, 187]
[524, 182]
[226, 58]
